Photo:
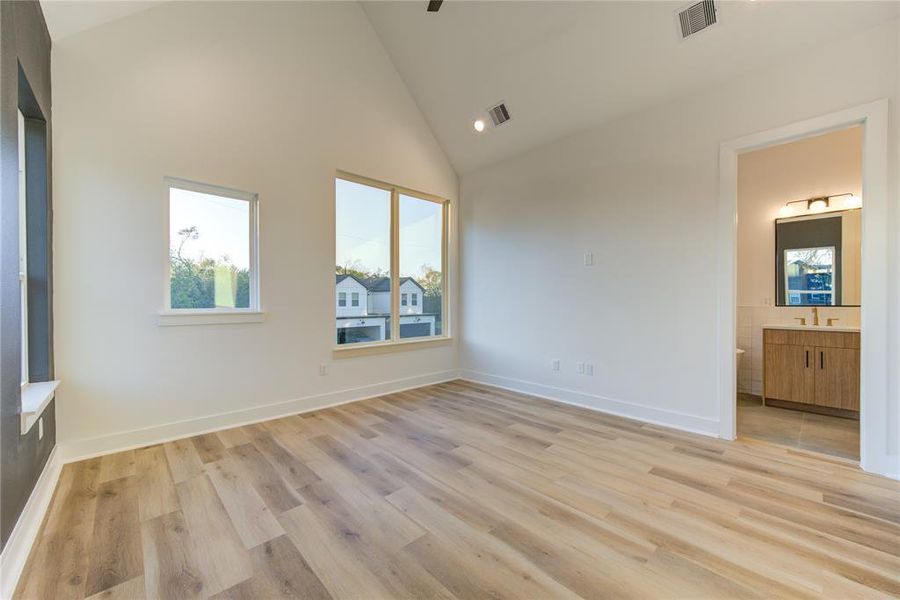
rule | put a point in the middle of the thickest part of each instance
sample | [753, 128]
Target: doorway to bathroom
[798, 293]
[801, 281]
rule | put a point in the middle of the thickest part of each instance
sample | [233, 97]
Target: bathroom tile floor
[810, 431]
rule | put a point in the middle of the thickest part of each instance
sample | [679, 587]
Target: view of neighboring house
[364, 309]
[809, 276]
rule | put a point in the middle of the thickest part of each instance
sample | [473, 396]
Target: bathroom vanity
[813, 368]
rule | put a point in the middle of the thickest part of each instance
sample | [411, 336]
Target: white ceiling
[65, 17]
[564, 66]
[560, 66]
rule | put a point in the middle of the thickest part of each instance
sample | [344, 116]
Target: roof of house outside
[376, 284]
[342, 276]
[383, 284]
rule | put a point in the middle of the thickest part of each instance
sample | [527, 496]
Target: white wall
[641, 194]
[266, 97]
[767, 178]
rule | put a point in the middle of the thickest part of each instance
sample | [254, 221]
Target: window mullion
[445, 270]
[253, 267]
[395, 264]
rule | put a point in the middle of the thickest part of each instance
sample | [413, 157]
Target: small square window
[342, 298]
[212, 248]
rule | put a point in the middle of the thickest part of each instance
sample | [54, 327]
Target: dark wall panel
[25, 44]
[808, 233]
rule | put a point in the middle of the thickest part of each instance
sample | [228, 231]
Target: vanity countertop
[795, 327]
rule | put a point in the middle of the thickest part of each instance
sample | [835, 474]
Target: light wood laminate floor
[461, 490]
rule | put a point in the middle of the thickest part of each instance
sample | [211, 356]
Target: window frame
[354, 299]
[203, 316]
[396, 342]
[25, 374]
[35, 244]
[342, 297]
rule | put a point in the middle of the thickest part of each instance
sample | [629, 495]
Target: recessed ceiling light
[478, 125]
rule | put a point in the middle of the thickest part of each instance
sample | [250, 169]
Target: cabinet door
[837, 378]
[790, 373]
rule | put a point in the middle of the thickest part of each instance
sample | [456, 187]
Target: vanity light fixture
[820, 204]
[786, 211]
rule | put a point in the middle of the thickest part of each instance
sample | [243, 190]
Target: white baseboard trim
[23, 535]
[647, 414]
[80, 449]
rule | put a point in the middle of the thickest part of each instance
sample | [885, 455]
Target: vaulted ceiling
[564, 66]
[560, 66]
[67, 17]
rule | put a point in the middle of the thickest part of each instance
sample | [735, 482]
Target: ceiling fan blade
[434, 5]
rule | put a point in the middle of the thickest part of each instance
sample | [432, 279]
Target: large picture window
[212, 248]
[382, 230]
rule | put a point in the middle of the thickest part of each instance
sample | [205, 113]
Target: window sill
[352, 350]
[171, 318]
[35, 398]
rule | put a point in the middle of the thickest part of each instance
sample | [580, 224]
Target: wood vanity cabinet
[816, 368]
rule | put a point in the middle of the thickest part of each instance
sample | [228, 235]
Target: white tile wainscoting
[750, 321]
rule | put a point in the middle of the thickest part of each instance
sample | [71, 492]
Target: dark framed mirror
[818, 260]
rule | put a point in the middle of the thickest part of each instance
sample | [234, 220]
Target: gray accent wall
[808, 233]
[25, 46]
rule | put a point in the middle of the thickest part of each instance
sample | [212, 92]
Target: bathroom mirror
[817, 259]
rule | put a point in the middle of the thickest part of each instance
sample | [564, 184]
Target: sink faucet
[816, 316]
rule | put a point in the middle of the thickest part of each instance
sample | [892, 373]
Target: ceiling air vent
[697, 17]
[499, 114]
